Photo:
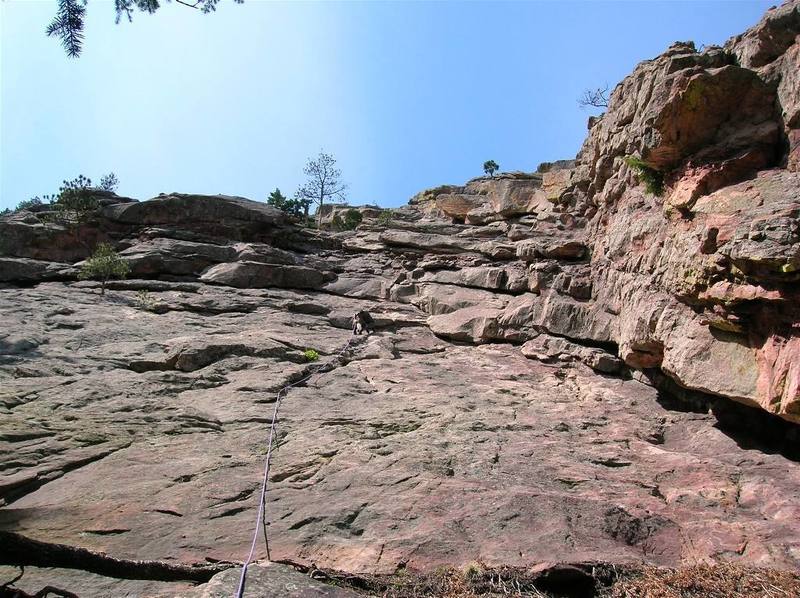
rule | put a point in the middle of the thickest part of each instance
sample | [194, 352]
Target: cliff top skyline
[406, 96]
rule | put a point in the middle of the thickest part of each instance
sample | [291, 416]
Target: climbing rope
[261, 519]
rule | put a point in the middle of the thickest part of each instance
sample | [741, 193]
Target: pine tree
[104, 264]
[110, 182]
[69, 20]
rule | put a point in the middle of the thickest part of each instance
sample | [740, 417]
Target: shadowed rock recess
[566, 367]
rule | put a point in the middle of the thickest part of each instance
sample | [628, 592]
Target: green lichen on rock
[694, 94]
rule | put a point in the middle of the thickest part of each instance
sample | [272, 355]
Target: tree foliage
[490, 167]
[323, 183]
[109, 182]
[293, 207]
[104, 264]
[68, 23]
[75, 201]
[347, 220]
[385, 217]
[26, 204]
[652, 179]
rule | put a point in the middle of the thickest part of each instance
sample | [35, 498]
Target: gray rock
[258, 275]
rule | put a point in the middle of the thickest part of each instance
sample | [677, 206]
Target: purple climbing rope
[261, 519]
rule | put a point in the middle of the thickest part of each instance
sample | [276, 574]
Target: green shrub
[385, 217]
[109, 182]
[652, 179]
[145, 301]
[76, 202]
[294, 207]
[26, 204]
[104, 264]
[347, 220]
[310, 355]
[352, 218]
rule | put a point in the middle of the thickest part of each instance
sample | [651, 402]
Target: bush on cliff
[385, 217]
[652, 179]
[292, 206]
[26, 204]
[75, 201]
[109, 182]
[351, 219]
[104, 264]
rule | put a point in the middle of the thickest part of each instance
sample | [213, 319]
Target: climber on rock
[363, 322]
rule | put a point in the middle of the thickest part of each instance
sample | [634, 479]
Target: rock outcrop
[596, 361]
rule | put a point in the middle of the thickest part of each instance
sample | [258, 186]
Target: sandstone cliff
[549, 347]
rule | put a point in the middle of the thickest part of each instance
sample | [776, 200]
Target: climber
[363, 322]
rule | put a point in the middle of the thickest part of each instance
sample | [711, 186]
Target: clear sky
[407, 95]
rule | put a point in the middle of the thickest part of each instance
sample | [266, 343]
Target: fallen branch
[21, 551]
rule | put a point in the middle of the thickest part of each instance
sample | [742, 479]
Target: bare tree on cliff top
[69, 20]
[323, 183]
[597, 98]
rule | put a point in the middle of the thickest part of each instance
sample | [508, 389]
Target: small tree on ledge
[490, 167]
[110, 182]
[597, 98]
[75, 202]
[104, 264]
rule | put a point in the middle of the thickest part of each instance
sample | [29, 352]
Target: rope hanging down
[261, 519]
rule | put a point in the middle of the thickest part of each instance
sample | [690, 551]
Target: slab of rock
[258, 275]
[174, 257]
[17, 269]
[473, 324]
[269, 580]
[186, 211]
[549, 348]
[534, 462]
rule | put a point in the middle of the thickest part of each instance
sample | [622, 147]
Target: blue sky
[406, 95]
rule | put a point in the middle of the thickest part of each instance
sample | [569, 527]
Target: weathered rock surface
[506, 411]
[270, 580]
[141, 434]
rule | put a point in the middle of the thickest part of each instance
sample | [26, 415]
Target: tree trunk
[319, 209]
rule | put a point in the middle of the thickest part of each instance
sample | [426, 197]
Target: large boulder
[17, 269]
[257, 275]
[471, 324]
[174, 257]
[487, 199]
[234, 218]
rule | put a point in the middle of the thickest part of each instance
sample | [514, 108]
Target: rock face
[141, 433]
[568, 366]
